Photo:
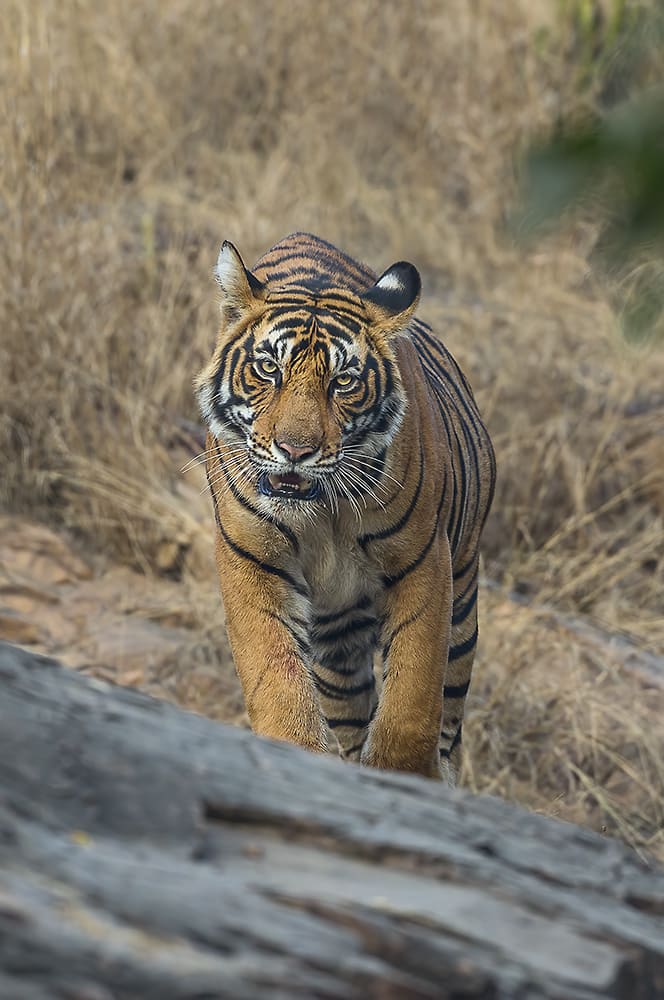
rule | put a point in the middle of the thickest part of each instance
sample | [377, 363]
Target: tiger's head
[303, 388]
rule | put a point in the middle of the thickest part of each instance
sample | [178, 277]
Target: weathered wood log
[152, 854]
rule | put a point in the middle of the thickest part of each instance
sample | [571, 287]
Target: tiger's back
[369, 407]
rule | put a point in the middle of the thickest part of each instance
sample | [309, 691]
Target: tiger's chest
[338, 572]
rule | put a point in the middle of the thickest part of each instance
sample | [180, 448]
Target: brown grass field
[135, 136]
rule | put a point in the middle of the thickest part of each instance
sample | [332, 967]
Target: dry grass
[135, 136]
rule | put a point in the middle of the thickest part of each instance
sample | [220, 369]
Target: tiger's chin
[288, 486]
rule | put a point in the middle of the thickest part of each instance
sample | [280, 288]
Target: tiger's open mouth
[288, 485]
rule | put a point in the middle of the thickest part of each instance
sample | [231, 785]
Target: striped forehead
[335, 308]
[311, 332]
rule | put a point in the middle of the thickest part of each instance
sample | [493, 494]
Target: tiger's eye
[265, 367]
[344, 381]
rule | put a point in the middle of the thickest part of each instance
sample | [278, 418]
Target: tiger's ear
[393, 299]
[240, 289]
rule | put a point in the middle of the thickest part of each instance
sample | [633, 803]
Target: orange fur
[371, 545]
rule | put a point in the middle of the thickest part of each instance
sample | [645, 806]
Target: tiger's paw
[401, 757]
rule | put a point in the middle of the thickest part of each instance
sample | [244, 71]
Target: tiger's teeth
[290, 481]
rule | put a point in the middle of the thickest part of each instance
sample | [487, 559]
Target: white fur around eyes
[337, 359]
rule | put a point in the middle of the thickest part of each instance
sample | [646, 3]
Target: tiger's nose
[296, 452]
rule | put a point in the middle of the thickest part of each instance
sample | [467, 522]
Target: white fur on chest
[337, 570]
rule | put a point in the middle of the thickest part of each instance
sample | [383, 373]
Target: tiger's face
[303, 389]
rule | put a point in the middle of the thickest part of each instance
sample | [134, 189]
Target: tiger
[351, 476]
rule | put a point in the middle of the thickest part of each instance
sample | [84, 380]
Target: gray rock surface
[152, 854]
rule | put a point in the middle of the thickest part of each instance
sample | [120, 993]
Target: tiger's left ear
[240, 289]
[393, 299]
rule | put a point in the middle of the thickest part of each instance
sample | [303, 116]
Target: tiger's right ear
[240, 289]
[391, 302]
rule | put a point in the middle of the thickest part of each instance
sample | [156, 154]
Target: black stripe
[456, 652]
[349, 628]
[371, 374]
[301, 641]
[247, 504]
[399, 628]
[361, 605]
[337, 661]
[338, 665]
[290, 308]
[250, 557]
[443, 401]
[302, 274]
[463, 494]
[354, 723]
[472, 450]
[339, 692]
[448, 380]
[266, 567]
[389, 581]
[338, 315]
[464, 569]
[456, 690]
[331, 260]
[461, 612]
[447, 752]
[272, 258]
[451, 378]
[364, 540]
[461, 597]
[455, 513]
[337, 332]
[335, 314]
[398, 488]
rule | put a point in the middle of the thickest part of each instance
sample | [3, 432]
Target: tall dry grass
[135, 136]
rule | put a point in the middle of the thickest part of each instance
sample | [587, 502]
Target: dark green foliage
[617, 160]
[609, 165]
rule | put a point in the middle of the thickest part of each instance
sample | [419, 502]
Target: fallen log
[152, 854]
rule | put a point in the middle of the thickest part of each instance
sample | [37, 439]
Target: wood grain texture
[150, 853]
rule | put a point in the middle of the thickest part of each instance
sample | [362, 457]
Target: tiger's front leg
[405, 732]
[269, 649]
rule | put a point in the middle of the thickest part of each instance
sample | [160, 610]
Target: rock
[150, 853]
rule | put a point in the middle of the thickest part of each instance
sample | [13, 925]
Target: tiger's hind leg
[463, 641]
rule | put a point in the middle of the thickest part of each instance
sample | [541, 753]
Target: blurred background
[136, 136]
